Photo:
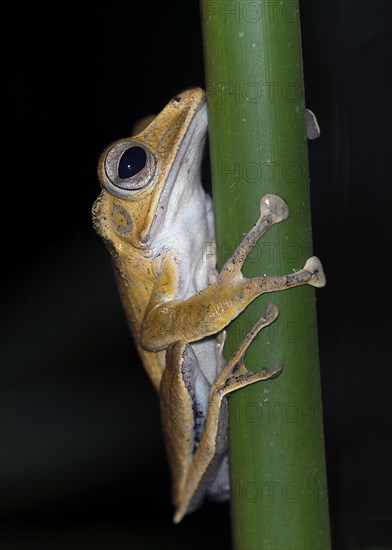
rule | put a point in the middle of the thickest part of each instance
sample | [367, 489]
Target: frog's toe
[315, 267]
[271, 312]
[275, 206]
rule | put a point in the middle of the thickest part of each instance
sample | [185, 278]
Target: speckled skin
[158, 226]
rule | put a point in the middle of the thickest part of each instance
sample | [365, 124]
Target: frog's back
[153, 362]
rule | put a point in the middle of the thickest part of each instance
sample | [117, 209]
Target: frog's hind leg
[233, 376]
[184, 393]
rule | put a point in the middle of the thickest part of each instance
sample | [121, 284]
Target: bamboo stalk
[254, 84]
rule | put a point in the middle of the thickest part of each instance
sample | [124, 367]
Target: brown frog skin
[157, 220]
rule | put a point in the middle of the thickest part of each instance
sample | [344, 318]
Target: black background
[82, 463]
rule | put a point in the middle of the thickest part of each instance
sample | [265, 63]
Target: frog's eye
[129, 167]
[132, 161]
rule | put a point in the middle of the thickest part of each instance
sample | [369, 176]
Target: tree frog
[157, 222]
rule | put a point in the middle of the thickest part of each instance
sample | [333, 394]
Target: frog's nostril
[132, 161]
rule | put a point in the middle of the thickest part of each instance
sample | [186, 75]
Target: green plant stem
[254, 84]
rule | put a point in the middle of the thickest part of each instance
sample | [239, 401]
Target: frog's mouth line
[184, 175]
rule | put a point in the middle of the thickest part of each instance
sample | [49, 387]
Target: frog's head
[145, 176]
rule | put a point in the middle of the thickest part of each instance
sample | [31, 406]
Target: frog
[157, 221]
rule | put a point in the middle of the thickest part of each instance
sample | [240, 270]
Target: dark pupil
[131, 162]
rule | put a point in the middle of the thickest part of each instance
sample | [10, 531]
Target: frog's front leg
[195, 420]
[169, 320]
